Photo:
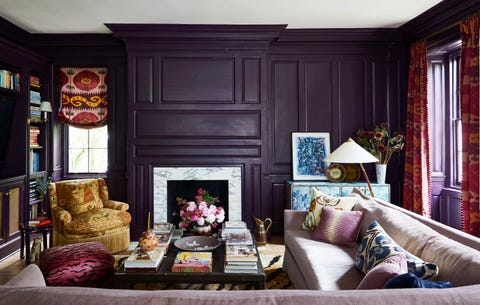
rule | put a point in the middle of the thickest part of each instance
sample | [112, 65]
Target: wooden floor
[12, 264]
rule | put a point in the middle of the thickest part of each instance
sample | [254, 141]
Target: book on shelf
[10, 80]
[244, 238]
[37, 220]
[240, 253]
[192, 262]
[35, 98]
[139, 260]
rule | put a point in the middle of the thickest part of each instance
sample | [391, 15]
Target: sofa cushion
[324, 266]
[320, 200]
[458, 263]
[377, 245]
[87, 264]
[409, 233]
[381, 273]
[338, 227]
[410, 280]
[82, 197]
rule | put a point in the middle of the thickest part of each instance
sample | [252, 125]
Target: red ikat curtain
[470, 124]
[84, 97]
[416, 187]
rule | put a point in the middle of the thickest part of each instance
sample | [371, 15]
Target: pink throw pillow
[381, 273]
[338, 227]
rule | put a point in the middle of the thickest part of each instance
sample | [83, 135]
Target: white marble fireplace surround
[163, 174]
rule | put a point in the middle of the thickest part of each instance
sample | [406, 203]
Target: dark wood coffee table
[127, 279]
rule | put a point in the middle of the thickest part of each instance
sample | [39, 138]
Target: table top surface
[164, 272]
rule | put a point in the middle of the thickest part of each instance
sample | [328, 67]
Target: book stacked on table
[192, 262]
[164, 232]
[139, 260]
[243, 238]
[241, 259]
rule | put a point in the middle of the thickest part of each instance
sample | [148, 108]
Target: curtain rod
[448, 27]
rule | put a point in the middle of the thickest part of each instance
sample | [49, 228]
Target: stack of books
[192, 262]
[164, 232]
[236, 233]
[139, 260]
[241, 259]
[242, 238]
[34, 133]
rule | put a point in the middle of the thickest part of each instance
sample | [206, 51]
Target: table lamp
[351, 152]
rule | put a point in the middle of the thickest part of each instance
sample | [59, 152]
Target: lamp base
[366, 179]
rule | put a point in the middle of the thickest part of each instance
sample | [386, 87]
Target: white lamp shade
[350, 152]
[45, 106]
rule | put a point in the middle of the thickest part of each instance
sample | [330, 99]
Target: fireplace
[187, 189]
[209, 178]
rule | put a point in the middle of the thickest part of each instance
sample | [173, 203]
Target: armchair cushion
[82, 197]
[96, 222]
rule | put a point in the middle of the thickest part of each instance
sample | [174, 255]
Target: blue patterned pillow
[410, 280]
[376, 246]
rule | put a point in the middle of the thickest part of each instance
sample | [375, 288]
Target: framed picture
[309, 149]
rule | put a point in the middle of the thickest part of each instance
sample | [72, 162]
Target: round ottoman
[87, 264]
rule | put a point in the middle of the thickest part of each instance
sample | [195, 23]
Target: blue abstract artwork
[309, 152]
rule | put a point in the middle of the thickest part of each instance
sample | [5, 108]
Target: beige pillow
[320, 200]
[82, 197]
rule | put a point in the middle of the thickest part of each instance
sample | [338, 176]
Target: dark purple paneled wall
[206, 104]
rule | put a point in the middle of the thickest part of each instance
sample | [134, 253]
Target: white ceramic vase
[381, 170]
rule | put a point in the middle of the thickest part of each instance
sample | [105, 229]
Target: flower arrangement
[201, 212]
[378, 142]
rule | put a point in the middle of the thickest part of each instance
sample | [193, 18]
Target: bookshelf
[24, 139]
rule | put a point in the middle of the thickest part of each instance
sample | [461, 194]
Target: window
[445, 115]
[87, 150]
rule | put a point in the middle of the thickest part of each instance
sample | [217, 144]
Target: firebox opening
[187, 189]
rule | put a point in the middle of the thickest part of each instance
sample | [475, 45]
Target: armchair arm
[116, 205]
[61, 214]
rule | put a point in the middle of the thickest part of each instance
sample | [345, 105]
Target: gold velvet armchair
[81, 212]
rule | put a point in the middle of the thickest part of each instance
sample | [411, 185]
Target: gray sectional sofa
[321, 272]
[313, 264]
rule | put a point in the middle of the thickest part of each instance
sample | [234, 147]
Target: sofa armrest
[30, 276]
[116, 205]
[293, 219]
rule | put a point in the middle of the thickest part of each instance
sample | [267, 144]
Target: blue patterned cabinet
[299, 193]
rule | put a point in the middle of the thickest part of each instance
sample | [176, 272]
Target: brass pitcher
[260, 231]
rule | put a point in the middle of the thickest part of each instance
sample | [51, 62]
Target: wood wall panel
[198, 151]
[285, 110]
[251, 76]
[352, 98]
[198, 80]
[198, 123]
[144, 80]
[318, 96]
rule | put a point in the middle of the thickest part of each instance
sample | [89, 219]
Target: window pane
[98, 160]
[77, 138]
[88, 150]
[98, 137]
[78, 160]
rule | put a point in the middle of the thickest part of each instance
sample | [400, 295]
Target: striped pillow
[338, 227]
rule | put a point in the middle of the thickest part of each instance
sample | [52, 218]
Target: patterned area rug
[276, 278]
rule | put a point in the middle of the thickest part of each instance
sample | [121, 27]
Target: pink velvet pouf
[87, 264]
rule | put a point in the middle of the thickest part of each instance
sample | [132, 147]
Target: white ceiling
[89, 16]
